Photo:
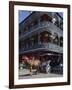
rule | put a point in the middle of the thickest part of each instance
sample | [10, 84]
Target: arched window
[45, 37]
[45, 17]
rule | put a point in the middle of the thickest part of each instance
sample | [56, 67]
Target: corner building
[41, 36]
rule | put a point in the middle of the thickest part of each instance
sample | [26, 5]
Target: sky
[23, 14]
[61, 14]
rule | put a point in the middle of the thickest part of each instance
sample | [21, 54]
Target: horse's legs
[37, 70]
[31, 70]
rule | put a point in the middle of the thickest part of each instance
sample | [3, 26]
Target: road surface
[25, 74]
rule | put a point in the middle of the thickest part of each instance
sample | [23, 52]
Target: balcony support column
[39, 42]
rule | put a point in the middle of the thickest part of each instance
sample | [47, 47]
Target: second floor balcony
[43, 47]
[40, 27]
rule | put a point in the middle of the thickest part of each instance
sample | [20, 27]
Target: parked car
[58, 69]
[45, 67]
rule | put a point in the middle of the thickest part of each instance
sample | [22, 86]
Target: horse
[32, 63]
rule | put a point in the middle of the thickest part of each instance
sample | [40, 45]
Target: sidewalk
[25, 74]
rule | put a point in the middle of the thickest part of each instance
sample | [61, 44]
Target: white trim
[16, 53]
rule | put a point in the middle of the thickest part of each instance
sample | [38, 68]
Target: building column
[59, 41]
[52, 37]
[39, 41]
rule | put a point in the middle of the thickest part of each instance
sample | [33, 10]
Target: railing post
[39, 42]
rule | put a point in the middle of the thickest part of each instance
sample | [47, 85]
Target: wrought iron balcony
[39, 28]
[42, 46]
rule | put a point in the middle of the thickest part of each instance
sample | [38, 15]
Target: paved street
[25, 74]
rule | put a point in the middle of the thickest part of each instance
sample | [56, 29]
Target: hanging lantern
[54, 20]
[52, 36]
[46, 35]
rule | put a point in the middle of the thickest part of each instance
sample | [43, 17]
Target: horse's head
[25, 59]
